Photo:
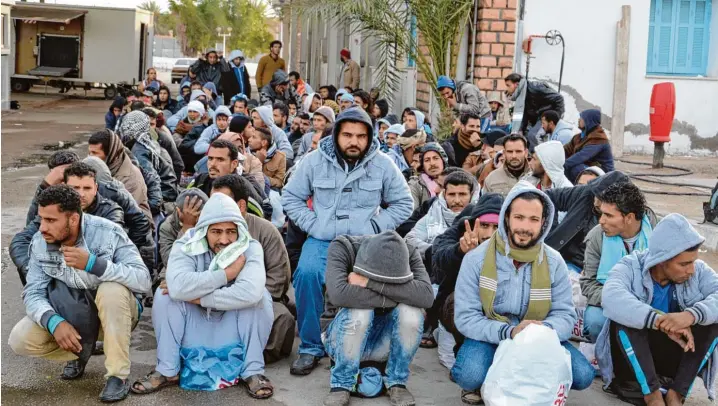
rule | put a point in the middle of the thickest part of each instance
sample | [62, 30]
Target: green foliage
[388, 24]
[197, 22]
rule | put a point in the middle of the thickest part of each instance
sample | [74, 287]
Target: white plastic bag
[533, 369]
[446, 347]
[579, 302]
[589, 351]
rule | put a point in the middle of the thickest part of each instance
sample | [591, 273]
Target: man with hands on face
[216, 308]
[671, 326]
[78, 255]
[492, 302]
[464, 97]
[380, 287]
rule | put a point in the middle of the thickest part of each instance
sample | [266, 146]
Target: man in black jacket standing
[533, 98]
[235, 76]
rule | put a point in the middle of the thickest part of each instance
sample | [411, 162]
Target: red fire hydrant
[663, 109]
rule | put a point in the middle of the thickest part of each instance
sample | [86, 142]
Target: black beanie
[239, 123]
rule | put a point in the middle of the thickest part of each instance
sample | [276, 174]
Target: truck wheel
[20, 85]
[110, 93]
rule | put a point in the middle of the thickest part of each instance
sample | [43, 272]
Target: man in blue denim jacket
[355, 190]
[93, 257]
[510, 281]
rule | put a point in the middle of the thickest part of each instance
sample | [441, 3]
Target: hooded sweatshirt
[589, 148]
[278, 135]
[563, 132]
[630, 286]
[211, 133]
[207, 72]
[512, 295]
[552, 158]
[187, 276]
[182, 113]
[347, 201]
[268, 94]
[110, 118]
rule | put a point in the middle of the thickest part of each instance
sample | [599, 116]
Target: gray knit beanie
[188, 194]
[384, 258]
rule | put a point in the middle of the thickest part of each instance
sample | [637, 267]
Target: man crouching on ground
[215, 310]
[381, 287]
[84, 278]
[662, 306]
[493, 301]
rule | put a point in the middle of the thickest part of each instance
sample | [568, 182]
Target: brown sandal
[152, 382]
[259, 382]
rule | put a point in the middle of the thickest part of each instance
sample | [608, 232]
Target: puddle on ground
[60, 145]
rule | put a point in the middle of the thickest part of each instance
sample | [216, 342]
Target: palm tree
[389, 23]
[151, 6]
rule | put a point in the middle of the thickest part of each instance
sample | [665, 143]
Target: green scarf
[540, 297]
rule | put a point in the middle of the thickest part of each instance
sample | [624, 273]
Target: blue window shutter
[699, 37]
[663, 32]
[651, 60]
[678, 36]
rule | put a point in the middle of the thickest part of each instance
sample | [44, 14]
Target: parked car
[179, 70]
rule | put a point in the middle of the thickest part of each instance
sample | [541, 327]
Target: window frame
[656, 27]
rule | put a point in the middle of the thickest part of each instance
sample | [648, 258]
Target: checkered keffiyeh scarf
[136, 126]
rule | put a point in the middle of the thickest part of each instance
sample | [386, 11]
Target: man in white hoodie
[547, 164]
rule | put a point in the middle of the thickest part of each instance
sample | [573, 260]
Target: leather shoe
[73, 370]
[304, 364]
[115, 390]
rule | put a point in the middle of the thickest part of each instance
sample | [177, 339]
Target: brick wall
[423, 86]
[495, 43]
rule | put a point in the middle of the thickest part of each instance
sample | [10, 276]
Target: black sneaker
[304, 364]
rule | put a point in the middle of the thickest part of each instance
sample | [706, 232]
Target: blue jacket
[589, 148]
[347, 201]
[118, 260]
[512, 295]
[630, 286]
[110, 120]
[563, 132]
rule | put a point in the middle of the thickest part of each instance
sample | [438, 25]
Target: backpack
[710, 208]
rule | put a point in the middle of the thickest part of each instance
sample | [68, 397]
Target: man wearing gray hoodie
[662, 306]
[513, 280]
[355, 190]
[381, 286]
[263, 117]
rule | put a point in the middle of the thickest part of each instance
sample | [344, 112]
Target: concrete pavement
[35, 382]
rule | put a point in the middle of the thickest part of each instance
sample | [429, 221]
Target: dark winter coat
[568, 237]
[153, 183]
[589, 148]
[230, 83]
[154, 163]
[207, 72]
[540, 97]
[268, 96]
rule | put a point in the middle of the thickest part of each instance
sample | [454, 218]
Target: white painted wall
[589, 28]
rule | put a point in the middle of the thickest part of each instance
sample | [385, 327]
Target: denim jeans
[475, 358]
[357, 335]
[593, 321]
[309, 292]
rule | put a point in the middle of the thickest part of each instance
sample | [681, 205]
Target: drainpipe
[473, 38]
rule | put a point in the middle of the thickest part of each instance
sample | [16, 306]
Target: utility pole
[224, 37]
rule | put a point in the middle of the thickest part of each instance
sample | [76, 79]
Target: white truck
[75, 46]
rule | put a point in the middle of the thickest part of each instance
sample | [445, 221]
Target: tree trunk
[658, 154]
